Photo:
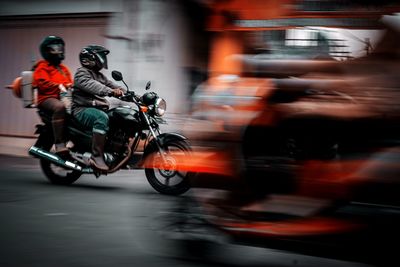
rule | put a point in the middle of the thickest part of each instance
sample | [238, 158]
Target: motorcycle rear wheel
[55, 174]
[154, 175]
[58, 175]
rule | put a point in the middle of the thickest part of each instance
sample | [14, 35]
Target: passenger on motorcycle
[50, 76]
[88, 98]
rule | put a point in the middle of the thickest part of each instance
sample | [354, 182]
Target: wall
[51, 7]
[147, 44]
[19, 50]
[146, 38]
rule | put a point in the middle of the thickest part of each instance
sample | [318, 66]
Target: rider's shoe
[97, 159]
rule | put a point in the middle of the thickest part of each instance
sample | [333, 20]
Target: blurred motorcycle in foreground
[303, 156]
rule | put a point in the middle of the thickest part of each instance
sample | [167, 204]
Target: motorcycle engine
[118, 142]
[109, 158]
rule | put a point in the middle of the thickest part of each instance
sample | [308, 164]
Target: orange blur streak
[313, 226]
[335, 179]
[144, 108]
[197, 162]
[224, 45]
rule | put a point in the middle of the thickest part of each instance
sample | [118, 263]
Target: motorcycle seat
[72, 122]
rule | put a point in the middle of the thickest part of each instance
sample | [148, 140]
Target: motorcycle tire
[153, 175]
[58, 175]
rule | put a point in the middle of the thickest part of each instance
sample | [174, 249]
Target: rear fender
[46, 138]
[41, 128]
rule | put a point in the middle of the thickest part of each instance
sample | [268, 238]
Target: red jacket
[47, 79]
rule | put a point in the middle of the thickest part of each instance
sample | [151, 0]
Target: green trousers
[94, 119]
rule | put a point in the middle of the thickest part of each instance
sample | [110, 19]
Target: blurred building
[177, 44]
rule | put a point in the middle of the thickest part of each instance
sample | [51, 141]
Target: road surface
[110, 221]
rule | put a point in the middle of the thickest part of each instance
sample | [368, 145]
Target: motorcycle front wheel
[58, 175]
[168, 180]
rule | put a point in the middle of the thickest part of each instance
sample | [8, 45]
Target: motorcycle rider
[88, 98]
[50, 76]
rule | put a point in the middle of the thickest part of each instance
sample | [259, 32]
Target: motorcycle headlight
[160, 106]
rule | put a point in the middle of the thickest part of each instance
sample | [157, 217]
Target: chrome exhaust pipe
[43, 154]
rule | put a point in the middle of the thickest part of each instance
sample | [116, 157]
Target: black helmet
[94, 57]
[52, 49]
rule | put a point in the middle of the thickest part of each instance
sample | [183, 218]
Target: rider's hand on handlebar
[117, 92]
[137, 97]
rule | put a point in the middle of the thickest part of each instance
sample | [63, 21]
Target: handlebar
[128, 97]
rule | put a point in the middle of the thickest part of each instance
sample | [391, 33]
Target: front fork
[159, 145]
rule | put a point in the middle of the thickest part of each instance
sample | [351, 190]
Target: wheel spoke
[181, 175]
[59, 175]
[165, 176]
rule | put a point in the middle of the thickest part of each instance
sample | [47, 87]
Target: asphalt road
[110, 221]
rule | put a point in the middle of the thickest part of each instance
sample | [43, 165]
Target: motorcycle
[129, 130]
[345, 209]
[313, 169]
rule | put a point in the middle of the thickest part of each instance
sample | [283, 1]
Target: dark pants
[57, 109]
[93, 119]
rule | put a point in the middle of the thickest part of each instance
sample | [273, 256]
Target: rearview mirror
[117, 75]
[148, 85]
